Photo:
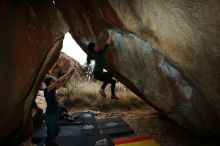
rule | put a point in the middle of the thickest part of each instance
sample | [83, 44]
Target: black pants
[106, 77]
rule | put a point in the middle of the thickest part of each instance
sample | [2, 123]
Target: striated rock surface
[167, 52]
[63, 65]
[31, 35]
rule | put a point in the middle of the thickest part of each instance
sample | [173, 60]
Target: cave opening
[81, 94]
[83, 85]
[72, 49]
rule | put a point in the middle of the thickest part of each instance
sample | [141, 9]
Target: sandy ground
[147, 121]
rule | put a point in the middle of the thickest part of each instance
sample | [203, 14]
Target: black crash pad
[64, 131]
[117, 131]
[85, 140]
[76, 121]
[88, 127]
[80, 119]
[86, 133]
[111, 123]
[114, 126]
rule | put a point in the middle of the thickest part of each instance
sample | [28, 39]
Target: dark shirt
[99, 59]
[52, 103]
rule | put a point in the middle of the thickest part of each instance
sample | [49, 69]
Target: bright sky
[71, 48]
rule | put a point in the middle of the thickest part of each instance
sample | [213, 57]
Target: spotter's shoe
[102, 92]
[114, 97]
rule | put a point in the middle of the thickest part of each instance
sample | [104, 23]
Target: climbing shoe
[102, 92]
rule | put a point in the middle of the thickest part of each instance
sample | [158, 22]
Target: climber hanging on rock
[96, 53]
[52, 117]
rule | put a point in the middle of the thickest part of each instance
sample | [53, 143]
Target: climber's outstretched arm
[58, 83]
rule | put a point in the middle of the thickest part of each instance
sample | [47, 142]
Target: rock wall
[167, 52]
[31, 35]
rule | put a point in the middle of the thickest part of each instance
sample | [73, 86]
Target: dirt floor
[147, 121]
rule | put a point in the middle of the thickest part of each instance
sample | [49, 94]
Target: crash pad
[136, 141]
[75, 121]
[87, 127]
[114, 126]
[111, 123]
[83, 140]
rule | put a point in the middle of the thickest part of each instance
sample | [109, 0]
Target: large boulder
[165, 51]
[31, 34]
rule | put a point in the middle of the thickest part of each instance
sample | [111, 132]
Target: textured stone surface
[64, 64]
[31, 35]
[165, 51]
